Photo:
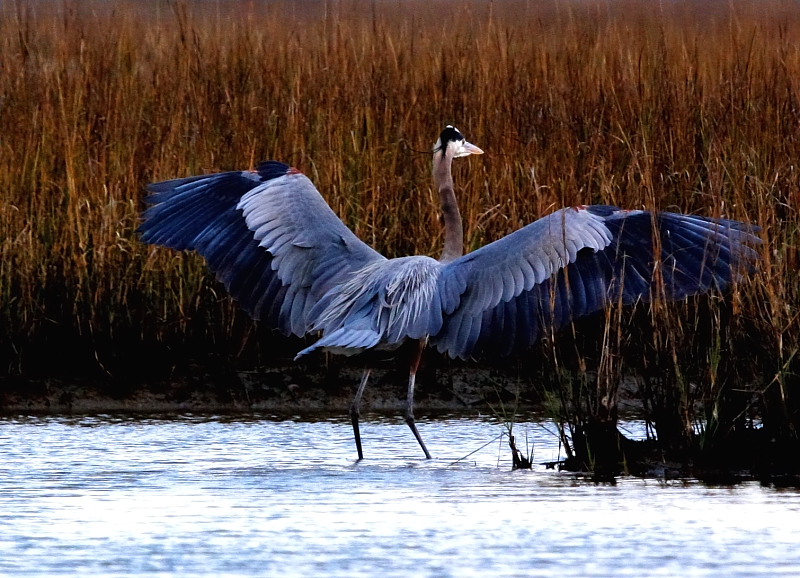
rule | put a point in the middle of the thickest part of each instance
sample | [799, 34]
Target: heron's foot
[412, 424]
[354, 414]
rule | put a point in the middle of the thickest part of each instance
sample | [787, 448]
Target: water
[216, 496]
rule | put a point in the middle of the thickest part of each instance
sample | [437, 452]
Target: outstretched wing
[502, 297]
[268, 235]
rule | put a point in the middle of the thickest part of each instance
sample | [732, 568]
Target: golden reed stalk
[689, 106]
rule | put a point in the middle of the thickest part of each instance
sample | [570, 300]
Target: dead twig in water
[519, 461]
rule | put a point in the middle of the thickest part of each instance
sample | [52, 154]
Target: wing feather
[576, 261]
[268, 235]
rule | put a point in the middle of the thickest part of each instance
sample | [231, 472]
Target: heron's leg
[354, 412]
[412, 377]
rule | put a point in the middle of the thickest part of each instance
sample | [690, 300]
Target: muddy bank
[279, 390]
[597, 449]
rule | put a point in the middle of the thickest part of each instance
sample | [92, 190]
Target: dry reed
[690, 106]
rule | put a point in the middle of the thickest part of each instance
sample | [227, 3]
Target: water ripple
[226, 496]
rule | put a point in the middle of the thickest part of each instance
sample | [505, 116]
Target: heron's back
[380, 306]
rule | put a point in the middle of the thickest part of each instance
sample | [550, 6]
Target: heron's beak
[467, 148]
[472, 149]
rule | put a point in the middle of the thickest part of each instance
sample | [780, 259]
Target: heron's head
[452, 143]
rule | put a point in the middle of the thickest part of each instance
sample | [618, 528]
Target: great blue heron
[289, 261]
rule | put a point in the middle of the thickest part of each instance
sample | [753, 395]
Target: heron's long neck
[453, 230]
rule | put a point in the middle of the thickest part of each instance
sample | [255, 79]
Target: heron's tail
[345, 341]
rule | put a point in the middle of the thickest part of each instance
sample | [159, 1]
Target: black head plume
[449, 134]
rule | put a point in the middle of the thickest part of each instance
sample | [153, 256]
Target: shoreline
[276, 393]
[269, 390]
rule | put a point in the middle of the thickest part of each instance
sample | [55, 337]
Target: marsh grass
[687, 106]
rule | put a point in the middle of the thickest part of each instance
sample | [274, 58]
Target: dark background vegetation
[686, 106]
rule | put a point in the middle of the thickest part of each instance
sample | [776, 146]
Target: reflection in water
[217, 496]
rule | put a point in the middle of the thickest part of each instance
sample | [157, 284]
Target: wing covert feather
[576, 261]
[268, 235]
